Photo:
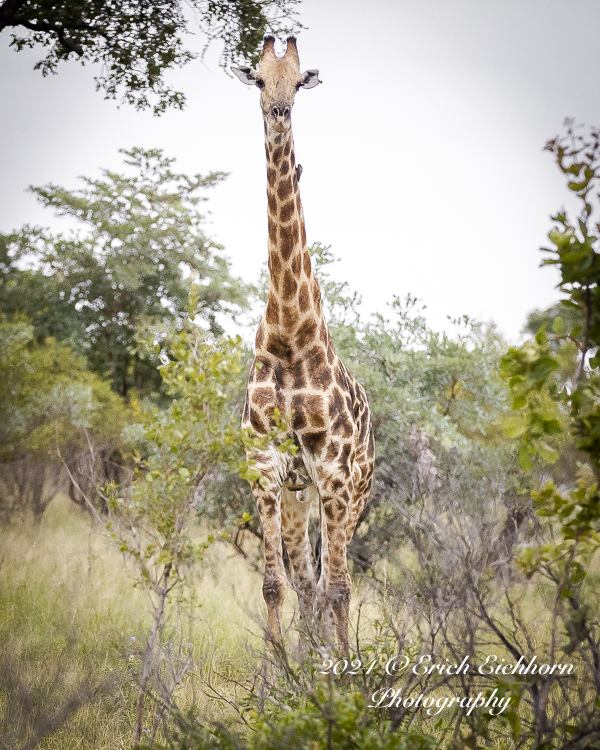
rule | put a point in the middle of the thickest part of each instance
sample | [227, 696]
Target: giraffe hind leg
[295, 517]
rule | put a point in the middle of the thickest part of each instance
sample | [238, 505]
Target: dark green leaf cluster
[137, 41]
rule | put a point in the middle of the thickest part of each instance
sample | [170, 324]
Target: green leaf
[514, 427]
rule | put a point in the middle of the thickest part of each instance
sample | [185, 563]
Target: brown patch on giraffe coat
[298, 376]
[340, 375]
[299, 421]
[341, 425]
[303, 298]
[315, 359]
[274, 263]
[260, 336]
[286, 242]
[261, 374]
[272, 203]
[296, 265]
[345, 459]
[271, 176]
[323, 332]
[277, 155]
[279, 347]
[290, 316]
[371, 446]
[311, 406]
[296, 232]
[316, 293]
[263, 396]
[336, 403]
[284, 189]
[292, 160]
[288, 147]
[286, 212]
[285, 168]
[314, 442]
[306, 333]
[332, 450]
[290, 286]
[321, 380]
[257, 423]
[272, 315]
[272, 232]
[306, 263]
[277, 139]
[302, 231]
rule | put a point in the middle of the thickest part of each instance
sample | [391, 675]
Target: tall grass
[71, 620]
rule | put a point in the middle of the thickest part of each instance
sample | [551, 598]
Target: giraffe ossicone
[297, 371]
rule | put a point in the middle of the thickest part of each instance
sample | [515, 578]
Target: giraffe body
[297, 371]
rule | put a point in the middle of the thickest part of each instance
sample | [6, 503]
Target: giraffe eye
[260, 83]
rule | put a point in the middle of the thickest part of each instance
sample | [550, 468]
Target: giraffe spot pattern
[286, 242]
[279, 347]
[296, 265]
[284, 189]
[286, 212]
[272, 315]
[274, 264]
[260, 336]
[330, 411]
[290, 316]
[263, 396]
[306, 333]
[290, 286]
[272, 235]
[314, 442]
[303, 298]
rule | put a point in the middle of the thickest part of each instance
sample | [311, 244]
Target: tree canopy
[126, 269]
[138, 41]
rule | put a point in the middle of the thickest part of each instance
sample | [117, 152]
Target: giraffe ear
[310, 80]
[246, 75]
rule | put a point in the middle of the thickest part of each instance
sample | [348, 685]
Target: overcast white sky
[422, 150]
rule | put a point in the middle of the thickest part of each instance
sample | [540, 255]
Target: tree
[130, 271]
[49, 403]
[184, 445]
[138, 41]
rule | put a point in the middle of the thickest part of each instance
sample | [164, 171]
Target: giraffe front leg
[295, 516]
[333, 591]
[268, 502]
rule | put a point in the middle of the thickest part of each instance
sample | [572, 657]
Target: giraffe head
[278, 79]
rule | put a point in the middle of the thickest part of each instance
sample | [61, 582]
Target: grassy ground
[72, 628]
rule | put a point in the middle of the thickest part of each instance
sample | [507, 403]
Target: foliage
[137, 42]
[554, 382]
[130, 270]
[49, 402]
[184, 445]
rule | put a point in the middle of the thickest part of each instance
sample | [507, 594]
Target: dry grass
[72, 627]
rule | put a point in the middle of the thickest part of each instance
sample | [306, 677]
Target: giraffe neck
[293, 319]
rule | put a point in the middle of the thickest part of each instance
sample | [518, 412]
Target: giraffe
[296, 370]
